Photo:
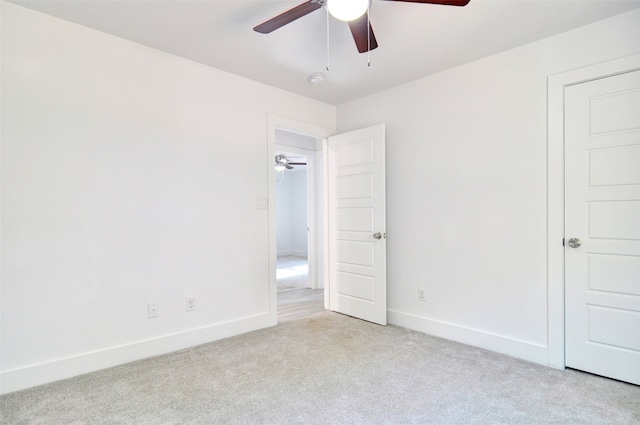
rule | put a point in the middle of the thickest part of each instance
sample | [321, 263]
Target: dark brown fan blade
[287, 17]
[359, 29]
[444, 2]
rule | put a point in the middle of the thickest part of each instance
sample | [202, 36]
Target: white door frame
[275, 122]
[555, 192]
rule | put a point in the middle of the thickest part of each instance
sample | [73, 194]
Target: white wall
[292, 232]
[298, 205]
[128, 176]
[283, 211]
[467, 187]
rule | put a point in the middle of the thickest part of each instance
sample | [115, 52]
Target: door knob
[377, 235]
[574, 242]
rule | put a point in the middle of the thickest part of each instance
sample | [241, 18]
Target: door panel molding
[356, 220]
[556, 196]
[602, 329]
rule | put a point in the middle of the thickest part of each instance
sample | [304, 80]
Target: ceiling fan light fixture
[281, 162]
[347, 10]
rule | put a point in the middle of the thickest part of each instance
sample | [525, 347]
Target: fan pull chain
[328, 51]
[368, 36]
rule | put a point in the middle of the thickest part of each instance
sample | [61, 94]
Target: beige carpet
[328, 369]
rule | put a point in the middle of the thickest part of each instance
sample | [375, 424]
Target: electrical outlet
[262, 203]
[152, 310]
[191, 303]
[422, 296]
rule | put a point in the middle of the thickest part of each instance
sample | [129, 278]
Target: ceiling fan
[352, 11]
[282, 162]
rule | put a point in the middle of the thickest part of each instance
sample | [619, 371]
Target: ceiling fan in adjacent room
[352, 11]
[282, 163]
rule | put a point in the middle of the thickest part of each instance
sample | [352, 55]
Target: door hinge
[562, 241]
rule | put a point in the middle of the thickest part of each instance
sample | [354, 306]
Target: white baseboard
[292, 252]
[512, 347]
[55, 370]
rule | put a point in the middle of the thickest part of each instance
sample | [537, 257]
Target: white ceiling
[415, 39]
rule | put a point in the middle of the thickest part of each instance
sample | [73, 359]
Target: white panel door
[602, 211]
[356, 224]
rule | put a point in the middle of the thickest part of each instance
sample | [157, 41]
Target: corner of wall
[501, 344]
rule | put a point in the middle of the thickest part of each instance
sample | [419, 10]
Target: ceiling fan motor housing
[358, 23]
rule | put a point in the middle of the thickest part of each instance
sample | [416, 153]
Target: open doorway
[299, 293]
[286, 135]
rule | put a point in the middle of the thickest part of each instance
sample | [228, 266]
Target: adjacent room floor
[295, 299]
